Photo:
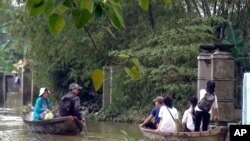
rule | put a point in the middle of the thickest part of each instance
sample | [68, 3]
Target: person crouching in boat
[153, 120]
[168, 115]
[70, 103]
[188, 119]
[42, 105]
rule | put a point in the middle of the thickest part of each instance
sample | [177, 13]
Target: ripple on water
[12, 129]
[10, 121]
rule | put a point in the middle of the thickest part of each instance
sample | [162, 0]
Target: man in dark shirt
[70, 103]
[153, 119]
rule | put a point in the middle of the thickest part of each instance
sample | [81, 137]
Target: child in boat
[189, 115]
[168, 115]
[42, 105]
[153, 119]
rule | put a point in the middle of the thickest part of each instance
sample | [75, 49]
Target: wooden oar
[85, 127]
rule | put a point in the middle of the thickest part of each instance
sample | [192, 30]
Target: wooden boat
[217, 134]
[61, 126]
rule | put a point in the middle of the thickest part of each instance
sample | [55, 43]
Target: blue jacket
[39, 107]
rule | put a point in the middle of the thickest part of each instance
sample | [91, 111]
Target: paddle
[85, 127]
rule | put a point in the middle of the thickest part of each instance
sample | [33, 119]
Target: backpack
[66, 106]
[206, 102]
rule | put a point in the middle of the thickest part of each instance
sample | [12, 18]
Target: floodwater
[12, 128]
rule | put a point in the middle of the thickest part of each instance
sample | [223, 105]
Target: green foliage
[87, 4]
[37, 7]
[9, 54]
[160, 60]
[56, 23]
[80, 10]
[81, 17]
[144, 4]
[169, 60]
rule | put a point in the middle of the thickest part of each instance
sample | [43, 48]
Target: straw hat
[42, 90]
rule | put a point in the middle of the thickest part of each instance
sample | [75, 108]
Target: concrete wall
[26, 86]
[107, 86]
[1, 89]
[215, 62]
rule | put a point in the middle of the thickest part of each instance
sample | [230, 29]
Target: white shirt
[167, 122]
[188, 119]
[202, 94]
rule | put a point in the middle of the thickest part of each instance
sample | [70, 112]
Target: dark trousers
[205, 117]
[150, 125]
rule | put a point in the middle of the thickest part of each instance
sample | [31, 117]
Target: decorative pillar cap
[224, 47]
[207, 48]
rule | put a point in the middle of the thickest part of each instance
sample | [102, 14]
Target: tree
[9, 54]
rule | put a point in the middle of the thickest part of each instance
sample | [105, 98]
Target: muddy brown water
[12, 128]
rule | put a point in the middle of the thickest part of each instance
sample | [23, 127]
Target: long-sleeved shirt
[76, 105]
[40, 106]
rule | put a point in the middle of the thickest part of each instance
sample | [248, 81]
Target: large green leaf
[138, 65]
[123, 56]
[58, 4]
[81, 17]
[133, 72]
[36, 7]
[62, 9]
[118, 11]
[49, 8]
[115, 19]
[168, 1]
[34, 3]
[56, 23]
[144, 4]
[97, 78]
[114, 12]
[87, 4]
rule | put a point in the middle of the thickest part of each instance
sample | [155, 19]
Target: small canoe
[61, 126]
[217, 134]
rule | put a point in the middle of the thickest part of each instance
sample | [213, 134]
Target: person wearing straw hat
[70, 103]
[42, 105]
[153, 119]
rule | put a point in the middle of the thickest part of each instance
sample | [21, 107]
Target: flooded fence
[15, 93]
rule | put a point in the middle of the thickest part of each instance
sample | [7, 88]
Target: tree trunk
[238, 5]
[196, 7]
[203, 8]
[215, 7]
[206, 7]
[245, 27]
[221, 8]
[189, 8]
[232, 12]
[229, 6]
[150, 15]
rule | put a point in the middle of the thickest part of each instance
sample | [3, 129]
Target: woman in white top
[204, 114]
[189, 115]
[168, 115]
